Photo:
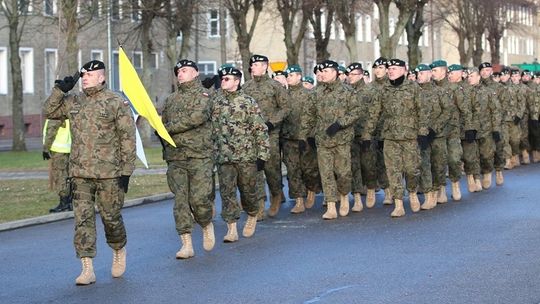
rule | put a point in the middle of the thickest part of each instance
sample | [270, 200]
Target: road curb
[49, 218]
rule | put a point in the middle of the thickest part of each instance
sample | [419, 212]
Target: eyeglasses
[227, 79]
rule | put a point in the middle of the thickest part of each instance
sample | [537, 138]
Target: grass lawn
[22, 199]
[32, 160]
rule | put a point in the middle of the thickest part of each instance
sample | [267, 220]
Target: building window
[25, 7]
[207, 68]
[368, 28]
[115, 83]
[96, 55]
[359, 28]
[49, 7]
[137, 60]
[154, 63]
[3, 71]
[50, 69]
[27, 69]
[116, 9]
[213, 23]
[136, 10]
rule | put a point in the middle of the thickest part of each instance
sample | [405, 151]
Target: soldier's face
[505, 78]
[379, 71]
[394, 72]
[424, 76]
[91, 79]
[355, 76]
[486, 72]
[536, 80]
[307, 85]
[438, 73]
[455, 76]
[281, 79]
[186, 74]
[259, 68]
[496, 78]
[473, 78]
[411, 77]
[294, 78]
[328, 75]
[343, 77]
[515, 78]
[230, 83]
[367, 79]
[526, 78]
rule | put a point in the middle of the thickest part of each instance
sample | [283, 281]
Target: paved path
[5, 175]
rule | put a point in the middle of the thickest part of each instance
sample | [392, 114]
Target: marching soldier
[101, 162]
[514, 110]
[530, 115]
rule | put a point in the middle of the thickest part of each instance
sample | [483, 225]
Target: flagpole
[109, 46]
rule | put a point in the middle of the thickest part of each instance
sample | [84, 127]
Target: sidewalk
[44, 174]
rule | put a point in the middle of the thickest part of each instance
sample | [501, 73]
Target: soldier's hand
[431, 135]
[46, 155]
[302, 146]
[516, 120]
[534, 123]
[496, 136]
[124, 182]
[333, 129]
[270, 126]
[65, 84]
[260, 164]
[470, 136]
[365, 145]
[311, 142]
[423, 141]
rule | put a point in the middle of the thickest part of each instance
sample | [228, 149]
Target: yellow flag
[137, 95]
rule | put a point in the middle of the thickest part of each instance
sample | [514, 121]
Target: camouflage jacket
[536, 89]
[460, 108]
[186, 116]
[363, 95]
[487, 110]
[530, 98]
[271, 98]
[500, 91]
[301, 102]
[514, 104]
[376, 88]
[439, 107]
[334, 102]
[239, 131]
[405, 116]
[102, 130]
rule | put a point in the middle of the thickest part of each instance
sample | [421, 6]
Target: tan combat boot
[87, 275]
[331, 212]
[358, 205]
[119, 262]
[430, 200]
[509, 164]
[260, 214]
[299, 206]
[398, 209]
[486, 181]
[209, 238]
[275, 203]
[249, 227]
[456, 191]
[310, 200]
[186, 251]
[526, 157]
[471, 185]
[344, 205]
[442, 198]
[478, 185]
[516, 161]
[415, 202]
[536, 156]
[387, 197]
[232, 234]
[370, 198]
[499, 179]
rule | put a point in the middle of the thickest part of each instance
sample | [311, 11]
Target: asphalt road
[484, 249]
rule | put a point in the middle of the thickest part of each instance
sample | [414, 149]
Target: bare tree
[238, 10]
[16, 14]
[346, 12]
[414, 33]
[388, 43]
[290, 11]
[321, 18]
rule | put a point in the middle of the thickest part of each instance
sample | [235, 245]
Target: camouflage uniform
[377, 89]
[102, 150]
[502, 95]
[240, 138]
[534, 133]
[406, 118]
[334, 103]
[186, 116]
[59, 161]
[272, 100]
[302, 172]
[530, 111]
[512, 107]
[471, 160]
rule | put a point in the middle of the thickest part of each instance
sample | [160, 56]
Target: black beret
[93, 65]
[484, 65]
[183, 63]
[354, 66]
[505, 71]
[496, 74]
[257, 58]
[526, 72]
[229, 70]
[279, 73]
[329, 64]
[366, 73]
[515, 72]
[396, 62]
[536, 75]
[380, 61]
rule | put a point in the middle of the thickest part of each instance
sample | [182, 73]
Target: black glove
[302, 146]
[124, 182]
[209, 82]
[270, 126]
[534, 123]
[470, 136]
[431, 135]
[260, 164]
[47, 155]
[311, 143]
[332, 130]
[423, 141]
[365, 145]
[516, 120]
[66, 84]
[496, 136]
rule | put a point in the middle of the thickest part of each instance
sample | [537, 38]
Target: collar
[94, 90]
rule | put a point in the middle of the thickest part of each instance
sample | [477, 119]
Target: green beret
[295, 68]
[455, 67]
[308, 79]
[342, 69]
[438, 63]
[422, 67]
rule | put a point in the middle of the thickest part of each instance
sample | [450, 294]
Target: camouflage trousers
[109, 199]
[245, 178]
[335, 168]
[534, 137]
[524, 143]
[486, 150]
[272, 167]
[471, 158]
[192, 183]
[402, 157]
[455, 152]
[439, 159]
[59, 173]
[302, 170]
[512, 137]
[499, 159]
[382, 177]
[425, 179]
[364, 167]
